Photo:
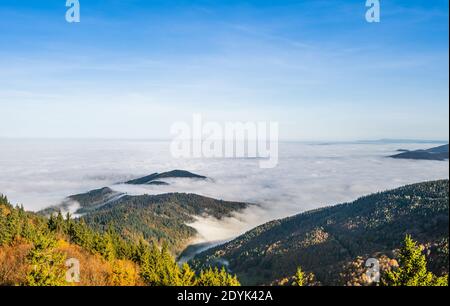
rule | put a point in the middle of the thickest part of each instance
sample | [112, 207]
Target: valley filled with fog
[40, 173]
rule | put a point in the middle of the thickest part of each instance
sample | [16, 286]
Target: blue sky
[131, 68]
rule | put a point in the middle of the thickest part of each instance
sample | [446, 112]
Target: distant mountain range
[151, 217]
[437, 153]
[406, 141]
[387, 141]
[326, 240]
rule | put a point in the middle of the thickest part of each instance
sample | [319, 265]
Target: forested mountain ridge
[84, 202]
[159, 217]
[34, 249]
[155, 177]
[440, 153]
[325, 241]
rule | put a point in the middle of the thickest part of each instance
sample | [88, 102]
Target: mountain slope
[34, 250]
[85, 202]
[436, 153]
[159, 217]
[324, 240]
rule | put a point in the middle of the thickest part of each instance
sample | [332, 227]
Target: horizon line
[323, 141]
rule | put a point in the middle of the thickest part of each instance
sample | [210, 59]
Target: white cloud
[40, 173]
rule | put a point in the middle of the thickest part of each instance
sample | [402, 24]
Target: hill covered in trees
[91, 200]
[84, 202]
[437, 153]
[156, 178]
[150, 217]
[159, 217]
[334, 242]
[34, 250]
[156, 218]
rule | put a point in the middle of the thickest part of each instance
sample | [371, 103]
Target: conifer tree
[4, 200]
[169, 269]
[412, 270]
[214, 277]
[47, 266]
[12, 227]
[187, 277]
[299, 278]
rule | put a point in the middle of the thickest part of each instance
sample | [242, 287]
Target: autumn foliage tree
[45, 242]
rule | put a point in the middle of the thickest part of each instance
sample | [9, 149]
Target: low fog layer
[38, 174]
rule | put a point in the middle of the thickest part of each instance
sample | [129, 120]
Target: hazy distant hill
[153, 178]
[322, 241]
[436, 153]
